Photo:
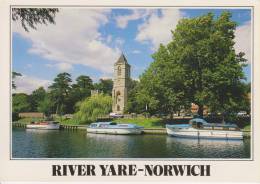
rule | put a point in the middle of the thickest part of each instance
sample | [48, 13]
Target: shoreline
[154, 131]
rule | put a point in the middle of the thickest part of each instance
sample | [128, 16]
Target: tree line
[61, 97]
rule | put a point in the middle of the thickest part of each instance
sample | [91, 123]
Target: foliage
[59, 91]
[93, 107]
[198, 66]
[20, 103]
[37, 97]
[132, 105]
[105, 86]
[46, 105]
[30, 17]
[79, 91]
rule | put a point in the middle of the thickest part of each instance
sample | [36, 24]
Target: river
[78, 144]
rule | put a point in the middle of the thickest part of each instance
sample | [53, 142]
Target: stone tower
[120, 85]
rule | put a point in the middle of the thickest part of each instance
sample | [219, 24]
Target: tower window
[119, 70]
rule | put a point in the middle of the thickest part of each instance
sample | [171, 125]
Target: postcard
[129, 91]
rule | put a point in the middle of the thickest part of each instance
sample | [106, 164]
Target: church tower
[120, 84]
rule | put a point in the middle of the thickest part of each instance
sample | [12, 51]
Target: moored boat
[44, 125]
[114, 128]
[199, 128]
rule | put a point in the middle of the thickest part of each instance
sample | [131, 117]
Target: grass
[145, 122]
[247, 128]
[68, 121]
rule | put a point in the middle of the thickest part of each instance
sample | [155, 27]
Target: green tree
[20, 103]
[204, 49]
[30, 17]
[104, 85]
[36, 97]
[198, 66]
[59, 92]
[163, 84]
[93, 107]
[46, 105]
[79, 91]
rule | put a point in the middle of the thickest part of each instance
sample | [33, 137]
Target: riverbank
[155, 131]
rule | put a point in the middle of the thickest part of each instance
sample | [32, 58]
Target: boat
[44, 125]
[114, 128]
[200, 128]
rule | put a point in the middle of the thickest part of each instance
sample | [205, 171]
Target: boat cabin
[202, 124]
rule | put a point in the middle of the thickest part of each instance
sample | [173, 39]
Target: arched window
[119, 70]
[118, 108]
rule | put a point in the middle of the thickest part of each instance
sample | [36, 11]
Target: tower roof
[121, 60]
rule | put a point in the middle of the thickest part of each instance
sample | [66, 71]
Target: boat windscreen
[113, 123]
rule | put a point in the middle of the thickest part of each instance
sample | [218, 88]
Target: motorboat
[114, 128]
[200, 128]
[44, 125]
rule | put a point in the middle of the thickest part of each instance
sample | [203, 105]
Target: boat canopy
[199, 120]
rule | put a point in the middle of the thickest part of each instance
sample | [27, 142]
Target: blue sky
[88, 42]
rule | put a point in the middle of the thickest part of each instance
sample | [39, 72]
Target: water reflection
[79, 144]
[206, 148]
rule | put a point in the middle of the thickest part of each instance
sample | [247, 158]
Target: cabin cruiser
[114, 128]
[44, 125]
[199, 128]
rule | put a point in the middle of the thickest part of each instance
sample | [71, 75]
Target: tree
[20, 103]
[30, 17]
[79, 91]
[59, 91]
[163, 82]
[132, 105]
[198, 66]
[93, 107]
[104, 85]
[14, 75]
[36, 97]
[204, 49]
[46, 105]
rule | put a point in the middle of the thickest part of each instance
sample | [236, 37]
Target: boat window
[93, 125]
[113, 123]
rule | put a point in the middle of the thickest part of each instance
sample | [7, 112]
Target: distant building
[31, 115]
[95, 92]
[195, 108]
[120, 85]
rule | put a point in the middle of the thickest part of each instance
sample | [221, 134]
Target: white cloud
[27, 84]
[74, 39]
[62, 67]
[119, 42]
[28, 66]
[156, 29]
[122, 20]
[136, 51]
[243, 40]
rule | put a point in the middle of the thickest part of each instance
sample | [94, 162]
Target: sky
[89, 41]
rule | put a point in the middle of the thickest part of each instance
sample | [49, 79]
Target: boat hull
[205, 134]
[44, 127]
[121, 131]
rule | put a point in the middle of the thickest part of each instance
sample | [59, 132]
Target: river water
[78, 144]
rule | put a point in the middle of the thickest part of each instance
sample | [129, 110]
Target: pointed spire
[122, 59]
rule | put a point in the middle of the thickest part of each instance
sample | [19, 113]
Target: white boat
[44, 125]
[114, 128]
[199, 128]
